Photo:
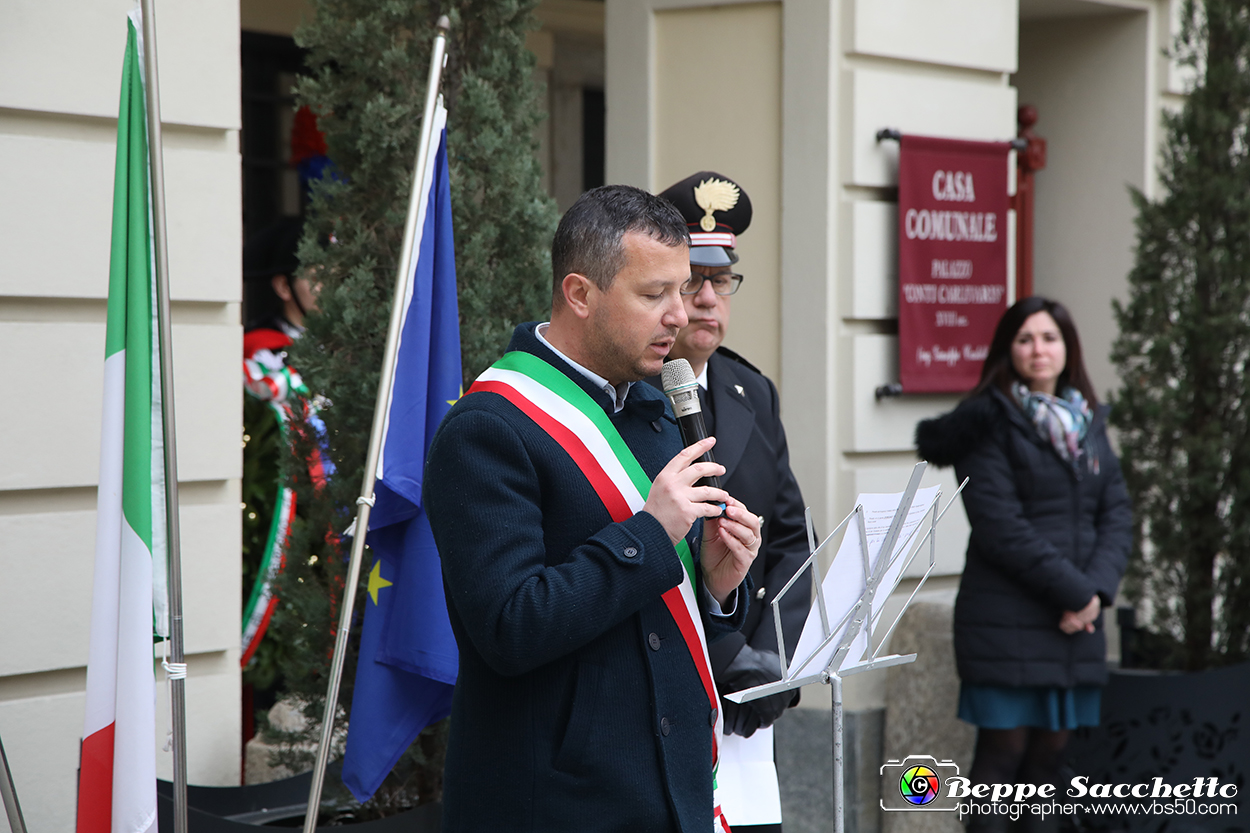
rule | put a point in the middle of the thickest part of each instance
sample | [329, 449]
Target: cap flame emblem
[714, 195]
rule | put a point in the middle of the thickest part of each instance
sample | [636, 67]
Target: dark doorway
[270, 64]
[271, 190]
[593, 138]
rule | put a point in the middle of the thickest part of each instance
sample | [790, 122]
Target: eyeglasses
[723, 283]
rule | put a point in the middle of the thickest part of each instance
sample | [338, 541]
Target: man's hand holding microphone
[686, 490]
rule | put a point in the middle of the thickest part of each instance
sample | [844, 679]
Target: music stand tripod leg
[839, 798]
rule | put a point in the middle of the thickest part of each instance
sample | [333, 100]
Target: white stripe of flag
[572, 418]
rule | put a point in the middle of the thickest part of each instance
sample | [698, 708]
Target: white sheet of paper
[845, 582]
[746, 781]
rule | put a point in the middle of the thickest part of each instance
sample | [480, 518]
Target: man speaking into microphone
[586, 571]
[740, 408]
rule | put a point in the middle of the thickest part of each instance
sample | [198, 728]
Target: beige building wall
[273, 17]
[568, 48]
[849, 68]
[60, 79]
[725, 116]
[928, 67]
[750, 90]
[743, 89]
[1092, 78]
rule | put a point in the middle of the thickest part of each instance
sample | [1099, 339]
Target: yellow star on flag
[376, 582]
[458, 398]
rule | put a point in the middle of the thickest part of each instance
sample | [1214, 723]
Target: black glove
[740, 718]
[748, 669]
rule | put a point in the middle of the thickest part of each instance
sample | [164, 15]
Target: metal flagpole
[14, 810]
[365, 502]
[175, 668]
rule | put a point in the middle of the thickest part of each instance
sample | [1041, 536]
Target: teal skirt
[1041, 707]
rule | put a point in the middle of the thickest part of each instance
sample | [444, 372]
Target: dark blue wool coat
[1045, 539]
[578, 707]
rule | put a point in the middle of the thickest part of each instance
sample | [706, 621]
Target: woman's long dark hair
[998, 370]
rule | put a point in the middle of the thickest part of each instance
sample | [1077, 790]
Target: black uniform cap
[717, 210]
[271, 251]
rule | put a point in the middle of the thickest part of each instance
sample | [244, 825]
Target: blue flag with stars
[408, 658]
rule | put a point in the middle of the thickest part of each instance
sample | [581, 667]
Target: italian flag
[117, 775]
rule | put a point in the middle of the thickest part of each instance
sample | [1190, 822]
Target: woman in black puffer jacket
[1051, 532]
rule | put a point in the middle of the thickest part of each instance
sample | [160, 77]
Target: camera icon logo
[920, 785]
[915, 783]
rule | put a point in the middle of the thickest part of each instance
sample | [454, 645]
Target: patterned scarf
[1063, 421]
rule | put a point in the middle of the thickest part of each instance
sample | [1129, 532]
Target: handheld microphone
[677, 379]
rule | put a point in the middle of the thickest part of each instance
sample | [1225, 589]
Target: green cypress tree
[1182, 355]
[368, 66]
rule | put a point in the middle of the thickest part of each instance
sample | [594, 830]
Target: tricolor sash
[569, 415]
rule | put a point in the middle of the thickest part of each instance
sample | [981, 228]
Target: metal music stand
[857, 620]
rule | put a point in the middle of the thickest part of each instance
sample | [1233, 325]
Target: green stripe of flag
[130, 293]
[571, 392]
[131, 333]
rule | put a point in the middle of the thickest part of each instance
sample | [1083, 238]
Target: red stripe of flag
[95, 782]
[681, 615]
[612, 498]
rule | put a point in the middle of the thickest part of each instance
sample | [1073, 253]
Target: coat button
[630, 552]
[657, 427]
[759, 594]
[654, 641]
[665, 726]
[711, 718]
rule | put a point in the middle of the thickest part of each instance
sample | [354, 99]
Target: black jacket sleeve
[1115, 529]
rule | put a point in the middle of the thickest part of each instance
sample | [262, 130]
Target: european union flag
[408, 658]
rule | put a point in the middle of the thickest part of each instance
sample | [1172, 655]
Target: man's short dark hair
[588, 239]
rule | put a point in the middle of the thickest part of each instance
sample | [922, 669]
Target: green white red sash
[572, 418]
